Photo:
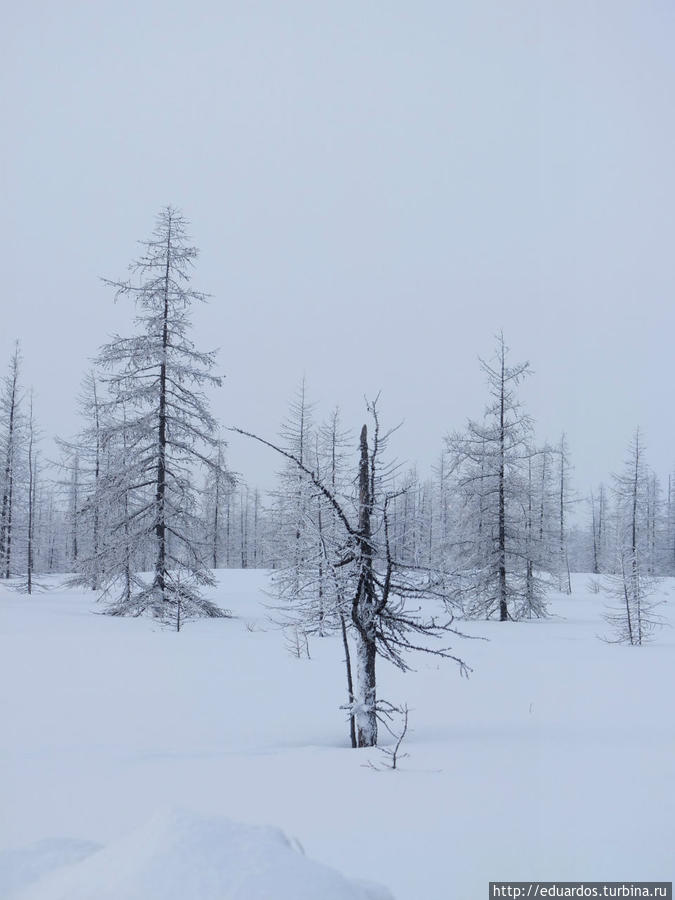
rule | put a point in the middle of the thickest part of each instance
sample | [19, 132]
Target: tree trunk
[160, 520]
[363, 613]
[634, 543]
[601, 519]
[365, 714]
[596, 569]
[216, 518]
[6, 526]
[529, 576]
[563, 566]
[31, 504]
[95, 581]
[350, 682]
[503, 608]
[8, 545]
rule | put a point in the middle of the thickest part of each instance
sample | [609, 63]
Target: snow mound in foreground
[183, 856]
[24, 866]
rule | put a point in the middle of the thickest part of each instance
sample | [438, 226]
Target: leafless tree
[633, 615]
[157, 410]
[491, 465]
[386, 597]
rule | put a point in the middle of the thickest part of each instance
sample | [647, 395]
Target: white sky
[376, 189]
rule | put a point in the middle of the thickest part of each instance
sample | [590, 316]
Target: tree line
[140, 505]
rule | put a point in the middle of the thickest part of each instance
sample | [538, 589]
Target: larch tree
[32, 473]
[564, 501]
[12, 425]
[656, 521]
[295, 541]
[220, 484]
[157, 414]
[669, 528]
[632, 614]
[493, 479]
[309, 585]
[302, 583]
[598, 506]
[312, 588]
[83, 460]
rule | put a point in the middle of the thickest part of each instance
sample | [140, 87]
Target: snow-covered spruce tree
[384, 596]
[157, 412]
[492, 470]
[632, 613]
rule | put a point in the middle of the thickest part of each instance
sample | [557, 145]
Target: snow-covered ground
[555, 760]
[180, 854]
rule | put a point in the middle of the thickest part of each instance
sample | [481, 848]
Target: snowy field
[555, 760]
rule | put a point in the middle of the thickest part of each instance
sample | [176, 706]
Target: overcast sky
[376, 189]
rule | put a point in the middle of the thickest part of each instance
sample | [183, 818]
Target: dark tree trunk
[95, 581]
[564, 567]
[216, 519]
[160, 495]
[503, 607]
[542, 508]
[74, 504]
[228, 528]
[6, 516]
[363, 610]
[350, 681]
[596, 569]
[256, 502]
[8, 547]
[601, 521]
[529, 576]
[31, 504]
[243, 528]
[635, 574]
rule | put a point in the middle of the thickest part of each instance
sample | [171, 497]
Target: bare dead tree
[385, 610]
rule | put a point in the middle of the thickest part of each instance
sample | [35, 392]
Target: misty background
[376, 189]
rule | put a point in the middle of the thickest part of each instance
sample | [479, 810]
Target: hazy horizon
[375, 189]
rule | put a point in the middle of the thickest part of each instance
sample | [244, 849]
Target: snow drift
[179, 855]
